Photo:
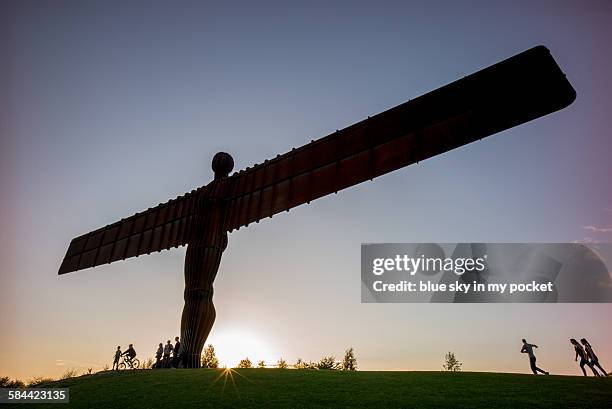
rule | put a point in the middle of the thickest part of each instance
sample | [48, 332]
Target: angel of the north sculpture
[514, 91]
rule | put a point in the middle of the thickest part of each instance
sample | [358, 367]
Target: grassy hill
[201, 388]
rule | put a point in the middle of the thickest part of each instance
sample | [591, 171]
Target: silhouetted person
[167, 351]
[176, 353]
[117, 356]
[130, 352]
[583, 358]
[591, 355]
[158, 355]
[528, 349]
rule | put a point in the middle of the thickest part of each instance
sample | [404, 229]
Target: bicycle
[127, 362]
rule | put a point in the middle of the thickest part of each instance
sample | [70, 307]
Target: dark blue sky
[107, 108]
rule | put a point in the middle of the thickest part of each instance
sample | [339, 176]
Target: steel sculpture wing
[162, 227]
[514, 91]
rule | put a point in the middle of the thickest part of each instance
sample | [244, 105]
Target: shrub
[70, 373]
[281, 364]
[148, 363]
[299, 364]
[245, 363]
[6, 382]
[261, 364]
[39, 381]
[328, 362]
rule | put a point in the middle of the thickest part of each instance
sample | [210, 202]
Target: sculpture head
[222, 164]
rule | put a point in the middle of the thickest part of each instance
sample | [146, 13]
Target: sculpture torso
[207, 243]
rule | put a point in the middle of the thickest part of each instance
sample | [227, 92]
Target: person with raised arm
[528, 349]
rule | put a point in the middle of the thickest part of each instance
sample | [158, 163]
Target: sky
[108, 108]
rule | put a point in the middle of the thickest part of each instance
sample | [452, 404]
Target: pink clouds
[596, 229]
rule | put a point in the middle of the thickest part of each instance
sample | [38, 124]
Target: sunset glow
[233, 345]
[109, 108]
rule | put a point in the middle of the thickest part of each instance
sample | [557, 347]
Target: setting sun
[235, 344]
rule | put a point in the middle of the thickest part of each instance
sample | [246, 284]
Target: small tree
[451, 363]
[327, 362]
[261, 364]
[349, 363]
[282, 364]
[245, 363]
[209, 358]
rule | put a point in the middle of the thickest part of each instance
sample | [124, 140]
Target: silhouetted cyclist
[130, 352]
[117, 357]
[528, 349]
[583, 358]
[591, 355]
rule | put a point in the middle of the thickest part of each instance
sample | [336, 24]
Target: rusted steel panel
[119, 250]
[156, 239]
[265, 207]
[104, 254]
[132, 246]
[88, 259]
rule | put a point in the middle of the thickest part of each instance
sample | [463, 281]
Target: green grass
[201, 388]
